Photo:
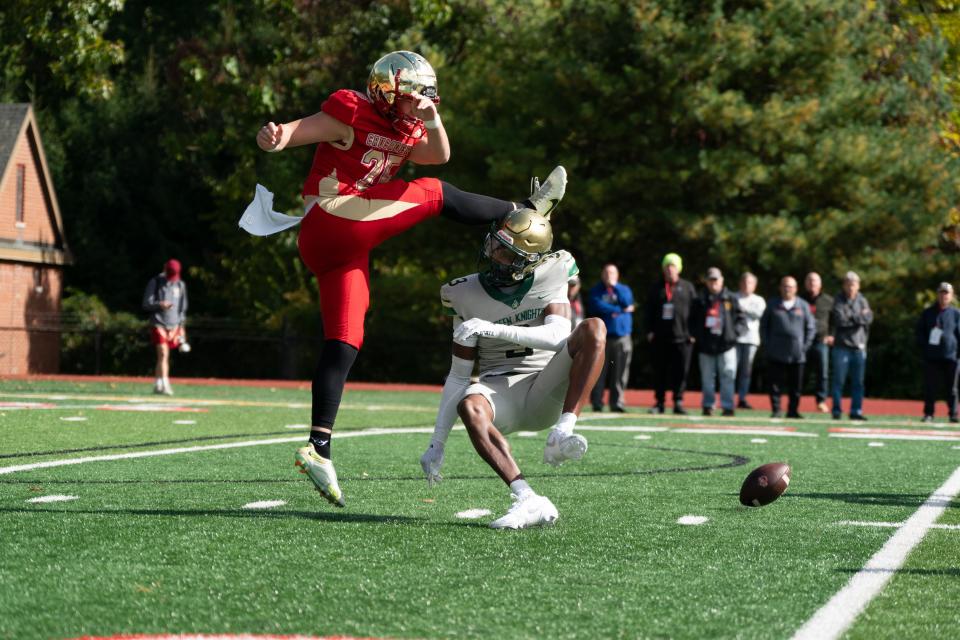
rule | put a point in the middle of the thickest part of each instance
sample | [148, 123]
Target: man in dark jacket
[849, 330]
[818, 357]
[713, 326]
[667, 319]
[787, 330]
[938, 333]
[612, 301]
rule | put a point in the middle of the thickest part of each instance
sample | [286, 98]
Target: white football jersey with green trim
[521, 305]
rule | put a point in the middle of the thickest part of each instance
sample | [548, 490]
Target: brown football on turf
[765, 484]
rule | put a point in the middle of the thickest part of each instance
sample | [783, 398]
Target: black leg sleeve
[328, 380]
[472, 208]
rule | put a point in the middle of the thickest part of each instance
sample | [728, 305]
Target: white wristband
[432, 124]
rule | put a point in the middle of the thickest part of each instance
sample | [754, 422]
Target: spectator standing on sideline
[938, 333]
[165, 298]
[668, 332]
[849, 330]
[752, 307]
[787, 330]
[713, 325]
[612, 302]
[576, 300]
[818, 357]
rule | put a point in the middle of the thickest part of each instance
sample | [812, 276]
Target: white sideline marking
[265, 504]
[894, 525]
[692, 520]
[56, 498]
[473, 514]
[892, 436]
[208, 447]
[748, 432]
[835, 617]
[184, 422]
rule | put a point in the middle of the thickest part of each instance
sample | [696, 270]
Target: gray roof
[11, 119]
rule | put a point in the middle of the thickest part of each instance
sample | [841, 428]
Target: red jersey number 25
[381, 167]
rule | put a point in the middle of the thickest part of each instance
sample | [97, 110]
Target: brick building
[33, 250]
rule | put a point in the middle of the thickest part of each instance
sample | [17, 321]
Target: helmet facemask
[397, 77]
[515, 247]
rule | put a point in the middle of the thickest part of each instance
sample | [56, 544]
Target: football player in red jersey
[354, 202]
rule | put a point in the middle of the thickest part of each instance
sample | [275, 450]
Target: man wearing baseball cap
[667, 316]
[938, 334]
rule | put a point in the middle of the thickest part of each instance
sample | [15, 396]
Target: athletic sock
[472, 208]
[566, 423]
[520, 488]
[321, 443]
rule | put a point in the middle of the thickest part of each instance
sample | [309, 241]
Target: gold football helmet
[515, 246]
[397, 76]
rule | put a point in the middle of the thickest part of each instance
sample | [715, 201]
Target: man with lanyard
[713, 323]
[938, 333]
[667, 317]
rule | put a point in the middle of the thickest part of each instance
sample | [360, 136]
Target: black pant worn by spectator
[936, 375]
[785, 377]
[671, 364]
[614, 375]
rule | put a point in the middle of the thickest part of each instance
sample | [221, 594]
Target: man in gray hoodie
[165, 299]
[849, 330]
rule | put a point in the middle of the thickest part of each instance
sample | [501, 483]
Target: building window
[21, 175]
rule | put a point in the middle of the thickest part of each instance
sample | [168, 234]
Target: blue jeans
[745, 354]
[725, 365]
[853, 361]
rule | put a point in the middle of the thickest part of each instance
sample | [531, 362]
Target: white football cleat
[529, 511]
[321, 472]
[562, 447]
[547, 196]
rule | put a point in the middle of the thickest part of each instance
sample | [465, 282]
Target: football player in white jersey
[513, 320]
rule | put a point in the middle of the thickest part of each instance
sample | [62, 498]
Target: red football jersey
[374, 154]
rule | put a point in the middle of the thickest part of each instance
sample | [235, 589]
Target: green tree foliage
[775, 136]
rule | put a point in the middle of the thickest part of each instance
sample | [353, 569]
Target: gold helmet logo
[516, 246]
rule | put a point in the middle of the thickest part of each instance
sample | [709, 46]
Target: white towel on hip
[261, 220]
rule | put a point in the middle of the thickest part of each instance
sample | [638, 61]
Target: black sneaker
[656, 409]
[954, 419]
[597, 409]
[930, 419]
[728, 413]
[707, 411]
[858, 416]
[836, 416]
[793, 415]
[680, 411]
[617, 410]
[743, 404]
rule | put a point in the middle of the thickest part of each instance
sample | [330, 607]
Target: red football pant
[337, 251]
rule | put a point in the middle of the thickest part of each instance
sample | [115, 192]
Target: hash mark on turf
[692, 520]
[264, 504]
[54, 498]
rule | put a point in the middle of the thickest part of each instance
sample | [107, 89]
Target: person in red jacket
[354, 202]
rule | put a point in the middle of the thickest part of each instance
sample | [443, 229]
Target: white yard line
[208, 447]
[834, 618]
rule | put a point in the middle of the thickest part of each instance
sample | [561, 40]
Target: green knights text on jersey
[521, 305]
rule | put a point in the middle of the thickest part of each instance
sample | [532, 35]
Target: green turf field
[164, 543]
